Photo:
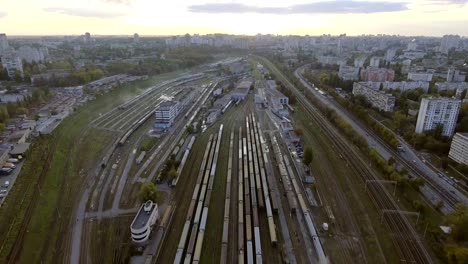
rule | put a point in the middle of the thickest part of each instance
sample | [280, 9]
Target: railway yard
[240, 193]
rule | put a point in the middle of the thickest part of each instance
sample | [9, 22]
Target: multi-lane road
[408, 158]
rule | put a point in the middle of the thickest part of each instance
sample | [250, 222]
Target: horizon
[303, 17]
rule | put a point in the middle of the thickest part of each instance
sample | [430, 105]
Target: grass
[148, 143]
[75, 152]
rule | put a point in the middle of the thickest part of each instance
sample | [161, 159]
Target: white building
[455, 76]
[434, 111]
[348, 73]
[403, 86]
[166, 114]
[447, 86]
[374, 62]
[390, 54]
[12, 64]
[3, 42]
[74, 91]
[412, 46]
[459, 148]
[277, 96]
[378, 99]
[448, 42]
[420, 76]
[359, 62]
[143, 222]
[31, 54]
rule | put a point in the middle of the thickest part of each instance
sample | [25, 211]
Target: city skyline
[122, 17]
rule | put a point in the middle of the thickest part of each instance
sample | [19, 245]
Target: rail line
[443, 193]
[405, 238]
[227, 204]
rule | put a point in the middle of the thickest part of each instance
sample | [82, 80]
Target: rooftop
[144, 214]
[20, 148]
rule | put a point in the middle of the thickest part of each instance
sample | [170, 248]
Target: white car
[6, 184]
[3, 191]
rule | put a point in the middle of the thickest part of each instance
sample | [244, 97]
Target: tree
[4, 74]
[298, 131]
[438, 130]
[458, 220]
[147, 192]
[463, 94]
[172, 174]
[308, 156]
[456, 254]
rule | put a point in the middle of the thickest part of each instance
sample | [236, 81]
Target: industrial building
[166, 114]
[459, 148]
[378, 99]
[241, 90]
[143, 222]
[435, 111]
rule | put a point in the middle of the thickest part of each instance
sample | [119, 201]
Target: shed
[19, 149]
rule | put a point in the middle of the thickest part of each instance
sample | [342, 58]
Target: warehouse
[241, 91]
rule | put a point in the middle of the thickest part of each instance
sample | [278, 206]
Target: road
[409, 155]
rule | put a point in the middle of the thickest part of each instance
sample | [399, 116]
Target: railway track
[405, 238]
[18, 244]
[407, 242]
[448, 197]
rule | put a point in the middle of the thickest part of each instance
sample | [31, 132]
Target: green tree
[463, 94]
[22, 111]
[299, 131]
[172, 174]
[458, 220]
[456, 254]
[147, 192]
[308, 156]
[4, 74]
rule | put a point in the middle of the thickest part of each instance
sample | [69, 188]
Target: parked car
[9, 165]
[6, 184]
[12, 160]
[5, 171]
[3, 191]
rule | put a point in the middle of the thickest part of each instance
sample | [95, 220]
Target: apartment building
[378, 99]
[435, 111]
[459, 148]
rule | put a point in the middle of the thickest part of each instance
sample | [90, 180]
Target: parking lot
[11, 179]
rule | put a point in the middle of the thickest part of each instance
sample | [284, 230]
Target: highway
[408, 158]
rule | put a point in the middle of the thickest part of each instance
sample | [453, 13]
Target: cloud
[119, 2]
[324, 7]
[3, 14]
[84, 12]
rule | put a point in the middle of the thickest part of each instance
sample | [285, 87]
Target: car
[5, 171]
[6, 184]
[2, 195]
[3, 191]
[414, 161]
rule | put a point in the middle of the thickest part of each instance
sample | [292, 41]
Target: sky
[176, 17]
